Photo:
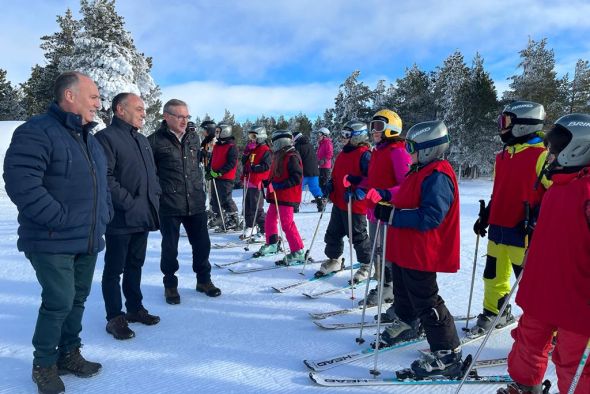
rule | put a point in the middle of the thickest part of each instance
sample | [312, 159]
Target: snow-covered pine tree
[480, 118]
[105, 51]
[579, 89]
[412, 97]
[38, 89]
[448, 87]
[11, 100]
[538, 81]
[379, 96]
[353, 101]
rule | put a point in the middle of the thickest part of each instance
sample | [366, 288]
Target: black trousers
[198, 237]
[224, 190]
[254, 202]
[324, 177]
[416, 297]
[125, 254]
[338, 229]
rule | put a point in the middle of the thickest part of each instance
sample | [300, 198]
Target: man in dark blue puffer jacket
[55, 173]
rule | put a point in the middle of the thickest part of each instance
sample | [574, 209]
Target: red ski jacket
[347, 163]
[555, 286]
[219, 159]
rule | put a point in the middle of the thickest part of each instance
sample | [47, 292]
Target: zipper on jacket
[95, 188]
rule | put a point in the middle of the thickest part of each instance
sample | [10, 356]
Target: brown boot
[172, 296]
[209, 289]
[142, 316]
[47, 380]
[119, 328]
[73, 362]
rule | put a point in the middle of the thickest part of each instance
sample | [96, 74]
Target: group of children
[409, 195]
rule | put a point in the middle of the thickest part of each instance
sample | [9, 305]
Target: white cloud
[250, 101]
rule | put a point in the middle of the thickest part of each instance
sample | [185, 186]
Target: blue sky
[275, 56]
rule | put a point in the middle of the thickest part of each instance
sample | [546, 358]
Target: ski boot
[361, 274]
[321, 203]
[232, 221]
[372, 298]
[293, 258]
[329, 266]
[517, 388]
[485, 320]
[399, 331]
[249, 233]
[215, 221]
[267, 250]
[439, 363]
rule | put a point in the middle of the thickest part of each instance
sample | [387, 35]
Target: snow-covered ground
[249, 340]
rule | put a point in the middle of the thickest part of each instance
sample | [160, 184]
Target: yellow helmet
[388, 122]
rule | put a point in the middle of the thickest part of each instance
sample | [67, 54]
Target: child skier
[224, 163]
[516, 173]
[390, 162]
[256, 162]
[284, 190]
[555, 287]
[311, 171]
[423, 239]
[325, 153]
[207, 133]
[346, 186]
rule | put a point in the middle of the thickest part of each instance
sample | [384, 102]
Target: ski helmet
[224, 130]
[281, 139]
[297, 135]
[208, 126]
[190, 126]
[260, 132]
[356, 131]
[387, 122]
[569, 140]
[429, 139]
[522, 118]
[324, 131]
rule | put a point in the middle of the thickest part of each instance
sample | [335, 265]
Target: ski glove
[383, 212]
[481, 224]
[357, 194]
[214, 174]
[350, 180]
[376, 195]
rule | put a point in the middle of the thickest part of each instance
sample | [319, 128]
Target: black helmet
[208, 126]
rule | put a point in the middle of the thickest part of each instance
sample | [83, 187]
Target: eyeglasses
[179, 117]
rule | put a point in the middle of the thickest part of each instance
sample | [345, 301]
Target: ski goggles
[506, 121]
[346, 133]
[413, 146]
[379, 126]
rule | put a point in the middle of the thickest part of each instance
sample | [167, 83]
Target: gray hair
[66, 80]
[174, 103]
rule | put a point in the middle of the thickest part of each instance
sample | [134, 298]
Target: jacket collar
[120, 123]
[70, 120]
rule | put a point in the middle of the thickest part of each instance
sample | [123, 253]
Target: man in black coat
[311, 171]
[55, 173]
[135, 191]
[176, 153]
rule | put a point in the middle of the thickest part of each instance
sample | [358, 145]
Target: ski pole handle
[527, 218]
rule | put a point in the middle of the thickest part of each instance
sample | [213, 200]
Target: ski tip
[277, 290]
[309, 365]
[312, 376]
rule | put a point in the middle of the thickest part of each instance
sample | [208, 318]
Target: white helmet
[570, 140]
[523, 118]
[260, 132]
[281, 139]
[324, 131]
[356, 130]
[429, 139]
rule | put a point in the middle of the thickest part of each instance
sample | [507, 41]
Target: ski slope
[249, 340]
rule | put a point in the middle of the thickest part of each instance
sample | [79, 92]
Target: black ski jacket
[308, 156]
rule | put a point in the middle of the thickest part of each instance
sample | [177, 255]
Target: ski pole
[360, 339]
[375, 371]
[349, 209]
[580, 369]
[260, 193]
[219, 205]
[482, 207]
[308, 251]
[494, 324]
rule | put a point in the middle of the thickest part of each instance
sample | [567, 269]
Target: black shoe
[209, 289]
[172, 296]
[119, 328]
[142, 316]
[47, 380]
[73, 362]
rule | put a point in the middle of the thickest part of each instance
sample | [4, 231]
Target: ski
[327, 363]
[311, 279]
[251, 257]
[346, 382]
[472, 337]
[337, 312]
[333, 291]
[269, 267]
[373, 323]
[234, 245]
